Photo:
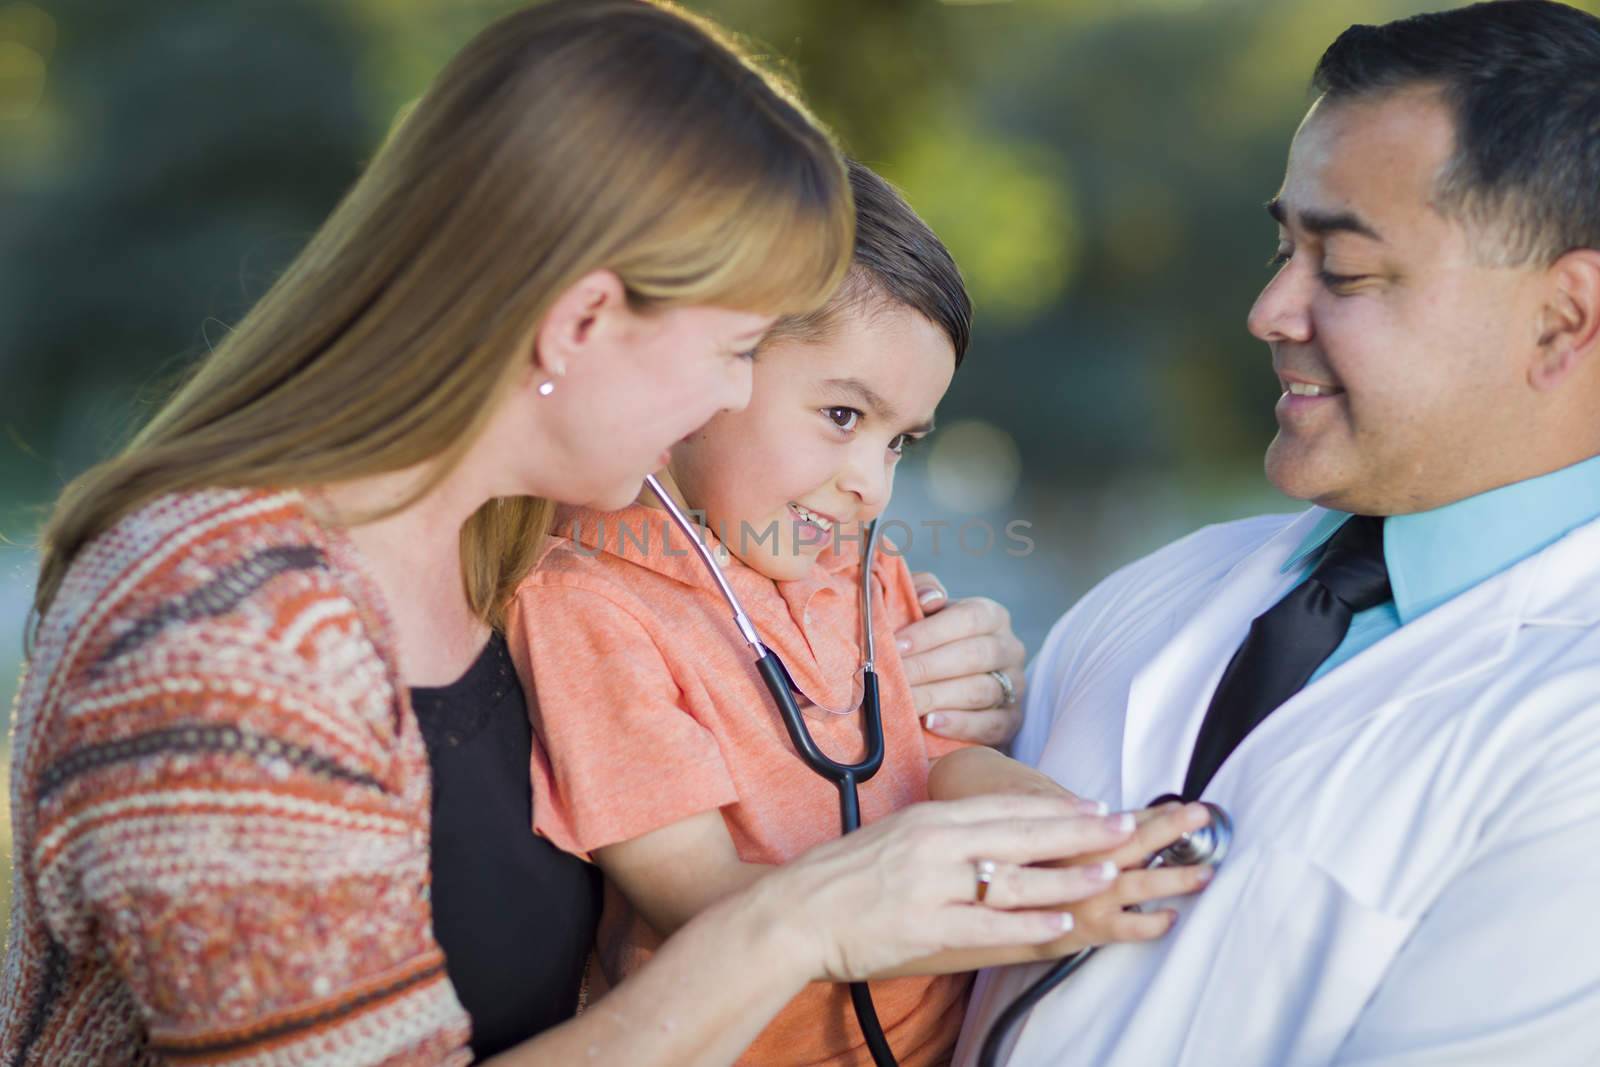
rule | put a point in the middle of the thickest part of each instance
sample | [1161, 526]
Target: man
[1397, 693]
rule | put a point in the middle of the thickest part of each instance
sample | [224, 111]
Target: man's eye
[748, 355]
[1278, 259]
[1340, 281]
[844, 418]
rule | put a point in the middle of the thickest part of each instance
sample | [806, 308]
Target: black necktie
[1289, 641]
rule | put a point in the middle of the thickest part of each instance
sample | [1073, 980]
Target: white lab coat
[1415, 875]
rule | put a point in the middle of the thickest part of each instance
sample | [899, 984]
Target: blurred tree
[199, 143]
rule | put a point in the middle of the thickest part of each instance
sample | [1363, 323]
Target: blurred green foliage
[1096, 166]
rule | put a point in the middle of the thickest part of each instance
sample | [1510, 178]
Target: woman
[553, 272]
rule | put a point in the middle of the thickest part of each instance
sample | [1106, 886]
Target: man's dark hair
[898, 261]
[1523, 79]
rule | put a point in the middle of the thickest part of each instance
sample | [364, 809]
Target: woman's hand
[948, 657]
[905, 888]
[1105, 917]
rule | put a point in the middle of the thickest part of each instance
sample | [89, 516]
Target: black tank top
[515, 915]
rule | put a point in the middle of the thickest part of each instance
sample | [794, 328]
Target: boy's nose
[868, 482]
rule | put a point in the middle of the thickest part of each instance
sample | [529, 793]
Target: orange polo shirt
[649, 710]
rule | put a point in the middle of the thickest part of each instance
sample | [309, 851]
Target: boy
[663, 756]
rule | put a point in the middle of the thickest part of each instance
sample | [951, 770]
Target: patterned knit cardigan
[220, 808]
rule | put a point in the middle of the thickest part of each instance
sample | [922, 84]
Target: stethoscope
[846, 776]
[1208, 844]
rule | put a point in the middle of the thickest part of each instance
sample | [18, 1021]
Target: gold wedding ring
[985, 869]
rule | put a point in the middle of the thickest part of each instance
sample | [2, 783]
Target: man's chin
[1296, 471]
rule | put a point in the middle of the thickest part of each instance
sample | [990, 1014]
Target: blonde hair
[569, 137]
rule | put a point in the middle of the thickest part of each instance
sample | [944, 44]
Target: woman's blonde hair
[569, 137]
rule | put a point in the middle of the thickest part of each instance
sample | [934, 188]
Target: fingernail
[1103, 872]
[1122, 824]
[1094, 807]
[928, 596]
[932, 721]
[1066, 920]
[1204, 874]
[903, 645]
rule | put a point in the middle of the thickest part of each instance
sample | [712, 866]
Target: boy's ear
[1569, 334]
[575, 319]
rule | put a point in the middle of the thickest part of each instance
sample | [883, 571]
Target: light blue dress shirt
[1436, 555]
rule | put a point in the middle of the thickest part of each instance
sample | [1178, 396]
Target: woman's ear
[576, 319]
[1570, 325]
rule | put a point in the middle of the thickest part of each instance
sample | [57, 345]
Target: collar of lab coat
[1464, 638]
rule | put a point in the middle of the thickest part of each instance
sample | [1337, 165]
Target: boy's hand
[948, 657]
[1104, 918]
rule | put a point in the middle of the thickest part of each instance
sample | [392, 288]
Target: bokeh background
[1098, 167]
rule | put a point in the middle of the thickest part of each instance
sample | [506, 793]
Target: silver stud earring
[546, 388]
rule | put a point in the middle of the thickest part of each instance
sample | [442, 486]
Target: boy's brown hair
[898, 260]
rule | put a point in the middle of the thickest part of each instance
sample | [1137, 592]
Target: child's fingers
[1137, 925]
[1159, 828]
[1156, 829]
[1139, 886]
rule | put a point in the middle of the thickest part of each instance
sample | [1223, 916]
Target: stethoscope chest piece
[1208, 844]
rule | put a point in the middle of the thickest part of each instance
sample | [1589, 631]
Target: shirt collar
[1436, 555]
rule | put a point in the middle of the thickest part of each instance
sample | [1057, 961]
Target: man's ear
[1570, 323]
[574, 320]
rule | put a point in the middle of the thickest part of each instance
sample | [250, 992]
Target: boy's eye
[747, 355]
[902, 442]
[844, 418]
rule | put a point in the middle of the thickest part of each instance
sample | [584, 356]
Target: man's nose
[1283, 310]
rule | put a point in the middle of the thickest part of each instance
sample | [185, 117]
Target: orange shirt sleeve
[622, 755]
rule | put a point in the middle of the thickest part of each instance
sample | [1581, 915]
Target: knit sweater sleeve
[231, 814]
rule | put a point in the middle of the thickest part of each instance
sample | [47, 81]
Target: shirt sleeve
[231, 839]
[621, 753]
[1501, 967]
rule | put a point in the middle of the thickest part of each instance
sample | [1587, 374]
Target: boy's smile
[814, 453]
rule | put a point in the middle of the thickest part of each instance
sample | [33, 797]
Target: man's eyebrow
[874, 402]
[1323, 223]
